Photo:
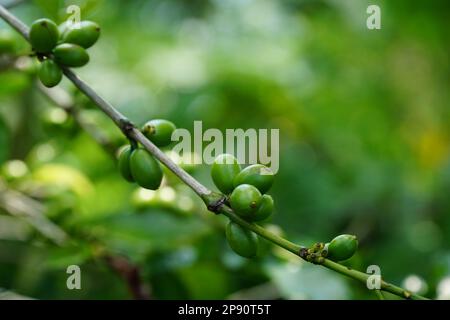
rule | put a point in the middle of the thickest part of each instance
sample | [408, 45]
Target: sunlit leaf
[65, 176]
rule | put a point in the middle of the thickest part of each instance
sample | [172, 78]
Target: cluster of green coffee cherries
[244, 190]
[137, 165]
[341, 248]
[63, 45]
[246, 194]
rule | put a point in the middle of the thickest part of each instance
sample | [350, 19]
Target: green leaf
[62, 257]
[13, 82]
[87, 8]
[50, 7]
[199, 279]
[138, 234]
[4, 141]
[64, 176]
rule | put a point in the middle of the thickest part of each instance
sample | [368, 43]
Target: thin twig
[18, 25]
[32, 211]
[130, 131]
[131, 274]
[214, 201]
[21, 206]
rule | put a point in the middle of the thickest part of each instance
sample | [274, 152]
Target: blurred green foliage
[364, 120]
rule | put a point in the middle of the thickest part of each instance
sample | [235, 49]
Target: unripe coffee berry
[159, 131]
[257, 175]
[243, 241]
[265, 208]
[342, 247]
[245, 201]
[43, 35]
[145, 170]
[71, 55]
[124, 163]
[50, 73]
[84, 33]
[223, 171]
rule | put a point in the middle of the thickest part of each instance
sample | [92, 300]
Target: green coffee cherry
[7, 42]
[124, 163]
[245, 201]
[84, 33]
[71, 55]
[43, 35]
[342, 247]
[50, 73]
[159, 131]
[223, 171]
[145, 170]
[265, 208]
[243, 241]
[257, 175]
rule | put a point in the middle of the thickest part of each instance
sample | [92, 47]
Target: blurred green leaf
[13, 82]
[198, 280]
[306, 281]
[50, 8]
[61, 257]
[154, 230]
[12, 228]
[4, 141]
[64, 176]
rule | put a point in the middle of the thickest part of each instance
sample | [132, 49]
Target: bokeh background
[364, 121]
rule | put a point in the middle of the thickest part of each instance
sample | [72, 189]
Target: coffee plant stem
[14, 22]
[132, 132]
[296, 249]
[363, 277]
[214, 201]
